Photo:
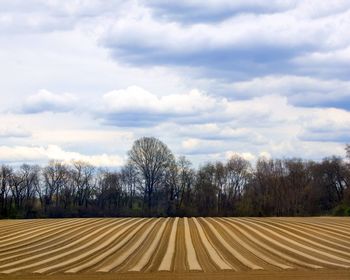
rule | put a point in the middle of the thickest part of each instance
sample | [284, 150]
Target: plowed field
[181, 248]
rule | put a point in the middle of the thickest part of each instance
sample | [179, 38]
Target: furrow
[307, 240]
[180, 264]
[18, 226]
[66, 250]
[316, 233]
[319, 230]
[343, 234]
[340, 228]
[231, 249]
[29, 226]
[269, 248]
[32, 239]
[151, 249]
[213, 252]
[249, 248]
[15, 238]
[170, 252]
[96, 260]
[298, 252]
[24, 226]
[122, 257]
[192, 259]
[90, 252]
[53, 242]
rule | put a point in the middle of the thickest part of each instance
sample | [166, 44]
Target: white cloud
[165, 42]
[190, 143]
[265, 154]
[217, 118]
[253, 66]
[339, 56]
[135, 106]
[48, 16]
[15, 131]
[46, 101]
[136, 99]
[300, 90]
[212, 7]
[197, 146]
[22, 154]
[247, 156]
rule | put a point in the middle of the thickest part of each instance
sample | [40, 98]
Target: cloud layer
[247, 42]
[83, 79]
[19, 154]
[44, 101]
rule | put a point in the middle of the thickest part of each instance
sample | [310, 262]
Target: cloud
[327, 58]
[190, 143]
[221, 131]
[329, 125]
[268, 125]
[23, 154]
[46, 101]
[197, 124]
[300, 90]
[193, 146]
[206, 77]
[196, 115]
[199, 11]
[247, 156]
[36, 16]
[244, 44]
[14, 132]
[328, 63]
[134, 106]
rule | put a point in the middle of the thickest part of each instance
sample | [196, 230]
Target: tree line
[154, 182]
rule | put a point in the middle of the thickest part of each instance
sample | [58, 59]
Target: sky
[83, 79]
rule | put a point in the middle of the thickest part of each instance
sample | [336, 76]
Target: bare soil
[191, 248]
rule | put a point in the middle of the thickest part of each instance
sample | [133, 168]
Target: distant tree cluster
[155, 183]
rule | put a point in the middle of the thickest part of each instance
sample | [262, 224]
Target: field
[179, 248]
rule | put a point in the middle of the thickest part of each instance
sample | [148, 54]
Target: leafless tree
[55, 178]
[151, 159]
[30, 176]
[82, 184]
[185, 183]
[154, 183]
[130, 182]
[5, 179]
[206, 190]
[238, 173]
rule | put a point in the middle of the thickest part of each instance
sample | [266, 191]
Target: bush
[347, 211]
[341, 210]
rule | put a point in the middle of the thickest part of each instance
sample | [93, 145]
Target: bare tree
[206, 190]
[55, 178]
[185, 181]
[29, 175]
[110, 192]
[130, 182]
[17, 189]
[220, 182]
[151, 158]
[238, 173]
[5, 179]
[297, 181]
[82, 182]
